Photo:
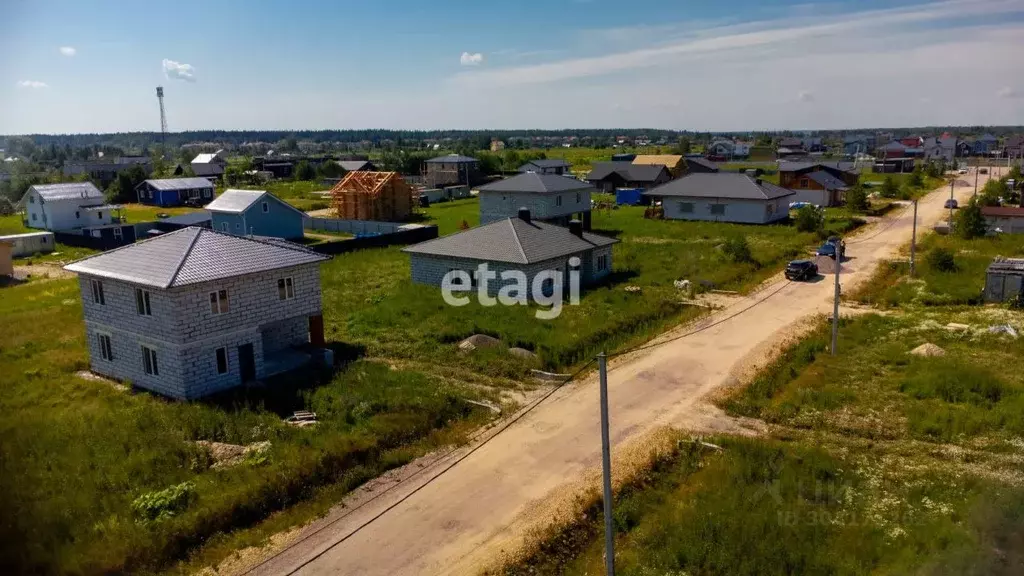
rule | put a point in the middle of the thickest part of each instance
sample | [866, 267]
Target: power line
[395, 504]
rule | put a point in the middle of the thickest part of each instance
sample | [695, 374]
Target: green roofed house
[518, 243]
[723, 197]
[193, 312]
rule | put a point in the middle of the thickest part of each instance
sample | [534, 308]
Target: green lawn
[75, 454]
[450, 217]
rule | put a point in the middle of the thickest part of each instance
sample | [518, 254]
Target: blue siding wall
[280, 221]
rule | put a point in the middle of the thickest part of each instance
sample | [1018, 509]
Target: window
[99, 215]
[142, 302]
[207, 193]
[686, 207]
[224, 226]
[77, 214]
[149, 361]
[117, 233]
[602, 262]
[803, 182]
[266, 207]
[219, 302]
[718, 209]
[106, 351]
[222, 360]
[97, 292]
[238, 225]
[33, 216]
[558, 200]
[31, 199]
[193, 193]
[579, 197]
[285, 289]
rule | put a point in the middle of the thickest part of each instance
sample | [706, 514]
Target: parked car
[983, 170]
[801, 270]
[963, 171]
[831, 246]
[951, 203]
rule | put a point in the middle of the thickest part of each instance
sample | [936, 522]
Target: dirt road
[493, 499]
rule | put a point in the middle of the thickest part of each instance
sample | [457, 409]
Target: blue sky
[73, 66]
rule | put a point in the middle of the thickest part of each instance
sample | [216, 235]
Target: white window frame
[602, 262]
[207, 192]
[142, 305]
[216, 359]
[193, 193]
[97, 292]
[118, 235]
[149, 361]
[238, 225]
[219, 303]
[225, 227]
[106, 347]
[285, 288]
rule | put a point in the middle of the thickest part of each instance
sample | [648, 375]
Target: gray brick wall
[185, 331]
[498, 205]
[430, 270]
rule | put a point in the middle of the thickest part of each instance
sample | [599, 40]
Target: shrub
[969, 222]
[809, 219]
[889, 188]
[941, 259]
[163, 504]
[737, 249]
[857, 199]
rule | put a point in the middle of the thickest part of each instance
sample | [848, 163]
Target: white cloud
[1007, 92]
[178, 71]
[68, 50]
[805, 96]
[468, 59]
[32, 84]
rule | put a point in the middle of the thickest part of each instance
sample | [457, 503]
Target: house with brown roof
[382, 196]
[1004, 219]
[674, 162]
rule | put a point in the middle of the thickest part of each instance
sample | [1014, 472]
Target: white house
[69, 206]
[29, 243]
[196, 311]
[723, 197]
[209, 165]
[548, 197]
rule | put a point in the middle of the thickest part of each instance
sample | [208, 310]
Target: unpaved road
[491, 501]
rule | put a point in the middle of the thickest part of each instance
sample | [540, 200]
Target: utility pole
[835, 304]
[913, 240]
[977, 169]
[606, 465]
[952, 181]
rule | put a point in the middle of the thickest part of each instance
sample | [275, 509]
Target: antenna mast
[163, 116]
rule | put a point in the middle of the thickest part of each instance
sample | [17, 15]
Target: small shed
[30, 243]
[1003, 279]
[383, 196]
[629, 196]
[6, 258]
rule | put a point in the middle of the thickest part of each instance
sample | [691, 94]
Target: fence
[408, 235]
[351, 226]
[106, 240]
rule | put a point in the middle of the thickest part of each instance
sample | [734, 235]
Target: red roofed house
[1004, 219]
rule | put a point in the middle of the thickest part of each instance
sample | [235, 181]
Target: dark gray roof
[703, 162]
[791, 142]
[511, 240]
[798, 166]
[626, 170]
[453, 158]
[720, 185]
[894, 145]
[190, 219]
[1007, 264]
[545, 163]
[67, 191]
[178, 183]
[828, 181]
[537, 183]
[193, 256]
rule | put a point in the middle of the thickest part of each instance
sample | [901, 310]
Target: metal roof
[235, 201]
[545, 163]
[703, 162]
[720, 185]
[355, 165]
[25, 235]
[206, 158]
[627, 171]
[827, 180]
[453, 158]
[101, 207]
[178, 183]
[511, 240]
[798, 166]
[67, 191]
[193, 256]
[537, 183]
[1007, 264]
[190, 219]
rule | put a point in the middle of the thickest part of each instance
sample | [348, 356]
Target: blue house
[984, 145]
[175, 191]
[256, 213]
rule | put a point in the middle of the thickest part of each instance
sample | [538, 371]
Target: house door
[246, 363]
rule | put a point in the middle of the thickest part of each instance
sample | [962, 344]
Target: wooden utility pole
[606, 469]
[913, 240]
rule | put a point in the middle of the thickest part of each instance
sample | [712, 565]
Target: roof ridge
[515, 234]
[184, 257]
[126, 246]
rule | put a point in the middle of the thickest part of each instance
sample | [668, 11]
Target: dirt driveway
[510, 487]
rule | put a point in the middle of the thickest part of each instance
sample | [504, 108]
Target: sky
[68, 66]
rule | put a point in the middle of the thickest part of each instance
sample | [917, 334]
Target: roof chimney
[524, 214]
[757, 181]
[576, 228]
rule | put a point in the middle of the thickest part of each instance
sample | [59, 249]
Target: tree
[969, 221]
[857, 199]
[304, 171]
[992, 192]
[122, 189]
[810, 219]
[684, 146]
[915, 179]
[330, 169]
[889, 188]
[941, 259]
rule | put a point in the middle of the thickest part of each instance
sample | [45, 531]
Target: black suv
[801, 270]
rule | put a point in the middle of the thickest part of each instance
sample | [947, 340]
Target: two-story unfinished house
[196, 311]
[548, 197]
[69, 206]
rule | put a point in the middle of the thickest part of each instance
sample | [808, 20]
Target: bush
[737, 249]
[969, 222]
[810, 219]
[163, 504]
[857, 199]
[889, 188]
[941, 259]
